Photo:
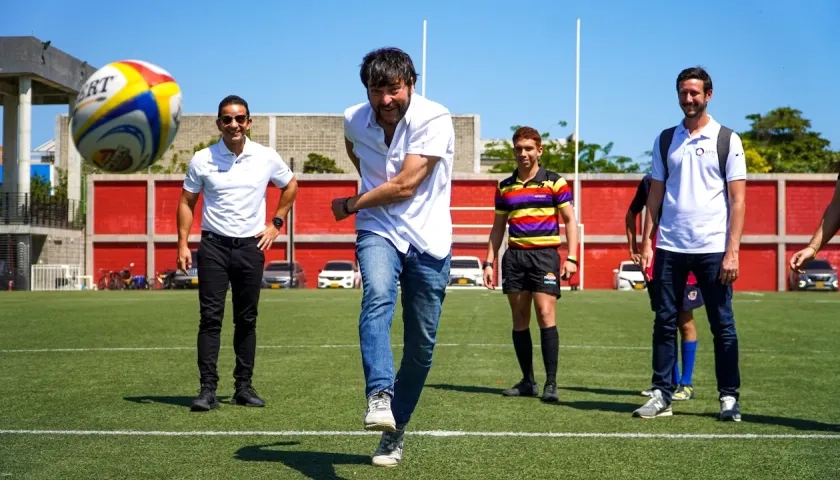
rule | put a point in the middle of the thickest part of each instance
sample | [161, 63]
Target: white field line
[353, 345]
[422, 433]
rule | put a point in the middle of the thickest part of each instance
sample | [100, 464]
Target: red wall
[313, 206]
[761, 217]
[116, 256]
[120, 209]
[806, 202]
[603, 206]
[167, 196]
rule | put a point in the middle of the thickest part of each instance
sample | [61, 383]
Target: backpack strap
[723, 154]
[664, 145]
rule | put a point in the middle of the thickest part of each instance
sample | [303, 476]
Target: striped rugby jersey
[532, 208]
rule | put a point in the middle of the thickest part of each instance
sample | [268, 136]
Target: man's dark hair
[695, 73]
[386, 66]
[233, 100]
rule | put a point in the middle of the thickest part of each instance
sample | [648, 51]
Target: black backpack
[722, 151]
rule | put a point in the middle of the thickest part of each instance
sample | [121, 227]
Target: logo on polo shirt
[699, 152]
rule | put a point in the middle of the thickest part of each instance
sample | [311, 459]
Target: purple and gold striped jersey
[532, 208]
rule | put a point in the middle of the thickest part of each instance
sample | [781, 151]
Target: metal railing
[48, 278]
[40, 211]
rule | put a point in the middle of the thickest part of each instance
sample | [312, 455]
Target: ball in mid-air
[126, 115]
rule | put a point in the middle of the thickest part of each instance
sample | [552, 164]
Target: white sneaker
[378, 417]
[729, 409]
[390, 449]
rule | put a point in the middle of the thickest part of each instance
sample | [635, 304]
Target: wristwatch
[487, 264]
[278, 222]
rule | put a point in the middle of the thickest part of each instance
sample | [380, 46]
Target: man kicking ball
[693, 299]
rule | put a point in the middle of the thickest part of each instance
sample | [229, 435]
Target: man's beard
[698, 110]
[400, 113]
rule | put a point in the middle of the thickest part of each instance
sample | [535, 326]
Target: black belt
[234, 242]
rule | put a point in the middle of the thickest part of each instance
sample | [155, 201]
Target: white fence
[50, 278]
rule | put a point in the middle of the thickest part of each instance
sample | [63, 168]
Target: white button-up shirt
[424, 220]
[234, 187]
[695, 210]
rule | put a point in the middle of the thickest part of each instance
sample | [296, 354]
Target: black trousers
[237, 262]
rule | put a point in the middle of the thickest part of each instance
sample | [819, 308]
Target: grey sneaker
[729, 409]
[390, 449]
[654, 407]
[378, 417]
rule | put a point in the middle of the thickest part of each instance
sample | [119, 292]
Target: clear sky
[509, 62]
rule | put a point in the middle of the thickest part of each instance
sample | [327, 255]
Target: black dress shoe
[205, 401]
[247, 396]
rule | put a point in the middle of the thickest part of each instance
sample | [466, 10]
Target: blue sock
[675, 376]
[688, 350]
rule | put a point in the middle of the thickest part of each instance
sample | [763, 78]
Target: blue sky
[511, 63]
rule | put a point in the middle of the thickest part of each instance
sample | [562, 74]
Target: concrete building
[33, 72]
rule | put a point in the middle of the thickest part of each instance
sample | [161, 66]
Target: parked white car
[339, 274]
[466, 271]
[628, 276]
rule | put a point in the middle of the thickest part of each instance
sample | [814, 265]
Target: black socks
[550, 343]
[522, 345]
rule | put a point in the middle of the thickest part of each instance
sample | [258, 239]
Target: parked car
[818, 274]
[628, 276]
[339, 274]
[189, 279]
[277, 275]
[466, 271]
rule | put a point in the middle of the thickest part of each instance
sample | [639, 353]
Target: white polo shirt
[695, 209]
[424, 220]
[235, 187]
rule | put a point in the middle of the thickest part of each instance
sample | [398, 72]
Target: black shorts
[692, 300]
[531, 270]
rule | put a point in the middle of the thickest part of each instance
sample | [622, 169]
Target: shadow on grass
[313, 465]
[465, 388]
[181, 401]
[614, 407]
[795, 423]
[601, 391]
[498, 391]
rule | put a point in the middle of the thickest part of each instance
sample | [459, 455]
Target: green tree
[317, 163]
[559, 156]
[783, 137]
[39, 188]
[756, 162]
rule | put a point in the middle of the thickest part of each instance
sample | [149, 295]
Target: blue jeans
[423, 280]
[671, 271]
